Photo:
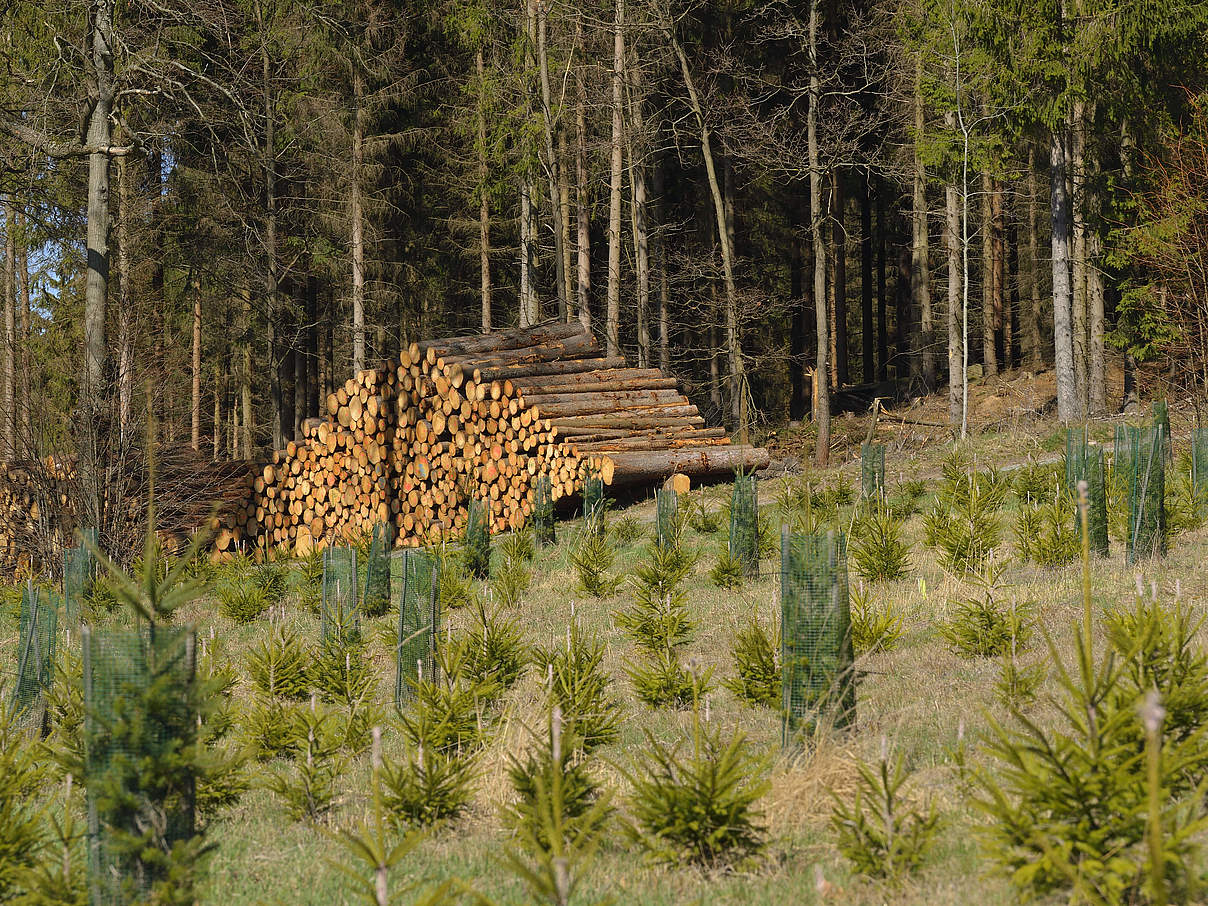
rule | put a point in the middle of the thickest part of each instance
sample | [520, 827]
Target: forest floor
[919, 699]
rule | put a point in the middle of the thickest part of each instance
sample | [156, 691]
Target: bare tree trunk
[1097, 376]
[216, 434]
[582, 191]
[660, 257]
[612, 325]
[484, 204]
[1003, 310]
[1063, 341]
[96, 292]
[822, 320]
[526, 253]
[8, 372]
[1079, 317]
[358, 238]
[312, 346]
[1033, 350]
[270, 238]
[868, 365]
[125, 311]
[733, 341]
[245, 379]
[989, 319]
[882, 240]
[919, 266]
[25, 423]
[637, 210]
[195, 407]
[537, 13]
[566, 312]
[839, 277]
[956, 359]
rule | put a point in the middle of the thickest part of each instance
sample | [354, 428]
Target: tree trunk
[565, 311]
[561, 253]
[733, 341]
[839, 276]
[798, 395]
[1033, 351]
[125, 311]
[357, 240]
[484, 203]
[312, 345]
[637, 210]
[1097, 376]
[882, 240]
[1063, 341]
[195, 406]
[868, 367]
[956, 359]
[1011, 319]
[920, 273]
[245, 379]
[216, 434]
[270, 241]
[990, 318]
[660, 259]
[822, 321]
[582, 191]
[1130, 402]
[25, 364]
[998, 260]
[8, 377]
[612, 325]
[1079, 305]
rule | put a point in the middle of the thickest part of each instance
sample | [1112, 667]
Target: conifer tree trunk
[245, 379]
[484, 203]
[660, 258]
[525, 253]
[637, 209]
[272, 306]
[216, 434]
[1063, 341]
[956, 359]
[839, 277]
[989, 319]
[1033, 350]
[195, 401]
[882, 240]
[612, 324]
[582, 191]
[1097, 376]
[1079, 318]
[8, 377]
[125, 313]
[358, 238]
[312, 346]
[567, 311]
[920, 273]
[822, 319]
[25, 423]
[1000, 301]
[537, 15]
[867, 328]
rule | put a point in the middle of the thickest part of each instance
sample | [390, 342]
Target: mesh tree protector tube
[140, 720]
[666, 503]
[818, 682]
[376, 599]
[1085, 462]
[79, 572]
[543, 511]
[35, 659]
[478, 541]
[593, 499]
[340, 618]
[872, 470]
[415, 581]
[1147, 497]
[744, 524]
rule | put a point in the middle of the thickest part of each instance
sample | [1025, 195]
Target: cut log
[629, 468]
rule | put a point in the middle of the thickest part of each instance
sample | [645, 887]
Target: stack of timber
[412, 441]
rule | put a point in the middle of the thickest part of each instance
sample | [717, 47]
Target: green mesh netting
[140, 719]
[1199, 463]
[478, 541]
[415, 579]
[1147, 496]
[1084, 462]
[376, 599]
[872, 470]
[35, 658]
[666, 525]
[543, 511]
[744, 524]
[1161, 418]
[818, 683]
[593, 499]
[79, 572]
[340, 617]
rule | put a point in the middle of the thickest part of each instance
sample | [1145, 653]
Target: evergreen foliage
[877, 546]
[579, 685]
[280, 666]
[592, 558]
[963, 523]
[874, 627]
[985, 624]
[1047, 531]
[756, 665]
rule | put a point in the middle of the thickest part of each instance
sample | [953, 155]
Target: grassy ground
[919, 699]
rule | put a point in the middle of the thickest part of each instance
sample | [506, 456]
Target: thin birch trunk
[822, 320]
[1063, 345]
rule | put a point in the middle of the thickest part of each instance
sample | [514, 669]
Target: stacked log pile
[412, 441]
